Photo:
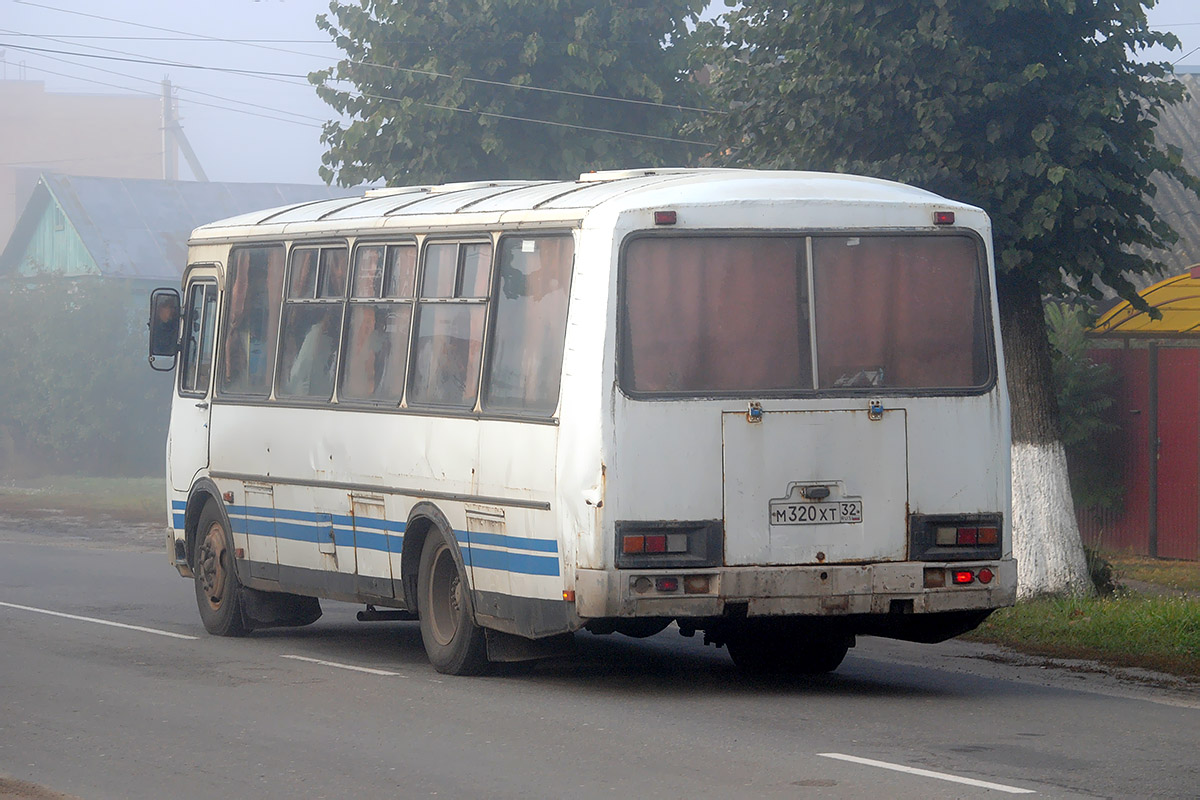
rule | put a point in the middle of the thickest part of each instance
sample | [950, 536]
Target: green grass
[131, 499]
[1177, 575]
[1128, 630]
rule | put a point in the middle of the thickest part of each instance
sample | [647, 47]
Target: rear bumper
[811, 591]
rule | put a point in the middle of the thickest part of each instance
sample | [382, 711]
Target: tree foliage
[432, 89]
[1086, 405]
[1034, 110]
[76, 394]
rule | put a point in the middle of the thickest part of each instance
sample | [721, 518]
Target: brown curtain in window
[716, 314]
[908, 305]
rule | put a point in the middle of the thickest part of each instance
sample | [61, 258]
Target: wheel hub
[211, 565]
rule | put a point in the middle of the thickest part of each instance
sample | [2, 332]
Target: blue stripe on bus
[387, 537]
[513, 542]
[510, 562]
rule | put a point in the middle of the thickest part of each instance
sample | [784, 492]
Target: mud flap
[277, 609]
[508, 647]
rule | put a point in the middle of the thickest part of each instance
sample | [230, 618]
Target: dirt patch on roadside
[12, 789]
[98, 531]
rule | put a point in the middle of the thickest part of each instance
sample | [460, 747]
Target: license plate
[846, 511]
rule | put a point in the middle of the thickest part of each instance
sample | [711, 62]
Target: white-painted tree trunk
[1046, 541]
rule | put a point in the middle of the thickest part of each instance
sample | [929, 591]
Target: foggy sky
[283, 144]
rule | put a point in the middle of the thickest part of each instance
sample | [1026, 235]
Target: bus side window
[312, 326]
[526, 347]
[448, 347]
[378, 324]
[253, 287]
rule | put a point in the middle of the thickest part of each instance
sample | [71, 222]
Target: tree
[1032, 109]
[76, 395]
[479, 89]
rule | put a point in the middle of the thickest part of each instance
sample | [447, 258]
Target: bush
[76, 394]
[1086, 406]
[1101, 571]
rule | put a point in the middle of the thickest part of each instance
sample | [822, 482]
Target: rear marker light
[985, 575]
[962, 576]
[947, 536]
[664, 217]
[943, 218]
[666, 584]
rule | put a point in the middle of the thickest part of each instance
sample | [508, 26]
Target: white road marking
[368, 670]
[98, 621]
[941, 776]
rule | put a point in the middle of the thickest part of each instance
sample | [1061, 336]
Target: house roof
[138, 228]
[1177, 298]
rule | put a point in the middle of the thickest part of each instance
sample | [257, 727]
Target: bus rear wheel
[218, 591]
[454, 643]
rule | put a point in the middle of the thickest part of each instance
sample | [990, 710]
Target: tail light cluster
[967, 537]
[672, 584]
[938, 577]
[668, 543]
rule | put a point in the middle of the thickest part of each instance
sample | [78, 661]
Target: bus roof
[570, 201]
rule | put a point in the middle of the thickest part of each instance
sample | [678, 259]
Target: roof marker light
[943, 218]
[664, 217]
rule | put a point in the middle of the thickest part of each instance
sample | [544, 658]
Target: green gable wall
[55, 247]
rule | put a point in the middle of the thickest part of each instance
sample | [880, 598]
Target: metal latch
[875, 410]
[754, 412]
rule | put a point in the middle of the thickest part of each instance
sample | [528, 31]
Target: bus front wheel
[217, 585]
[454, 643]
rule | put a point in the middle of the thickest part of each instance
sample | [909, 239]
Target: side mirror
[164, 327]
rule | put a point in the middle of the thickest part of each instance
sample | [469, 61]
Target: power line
[384, 98]
[428, 73]
[155, 94]
[181, 88]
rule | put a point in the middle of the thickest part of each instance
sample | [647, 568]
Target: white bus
[768, 406]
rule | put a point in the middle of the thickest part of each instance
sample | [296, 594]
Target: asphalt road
[159, 709]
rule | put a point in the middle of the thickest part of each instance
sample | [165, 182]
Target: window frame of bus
[320, 246]
[185, 351]
[983, 277]
[422, 301]
[221, 391]
[382, 299]
[496, 318]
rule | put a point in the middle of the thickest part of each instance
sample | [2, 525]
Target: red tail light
[962, 576]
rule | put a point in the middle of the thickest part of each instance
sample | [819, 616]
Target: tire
[218, 590]
[769, 653]
[454, 643]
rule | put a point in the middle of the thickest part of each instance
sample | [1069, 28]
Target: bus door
[811, 487]
[188, 443]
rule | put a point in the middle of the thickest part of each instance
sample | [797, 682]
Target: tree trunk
[1046, 540]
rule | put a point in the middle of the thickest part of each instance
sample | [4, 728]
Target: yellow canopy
[1177, 298]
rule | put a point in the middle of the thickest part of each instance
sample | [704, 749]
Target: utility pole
[173, 136]
[170, 162]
